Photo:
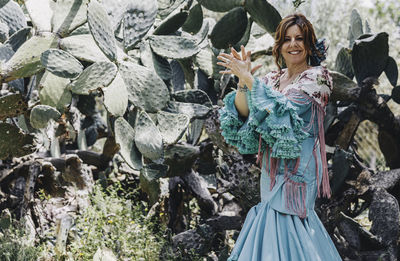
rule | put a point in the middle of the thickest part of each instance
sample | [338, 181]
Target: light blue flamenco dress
[286, 131]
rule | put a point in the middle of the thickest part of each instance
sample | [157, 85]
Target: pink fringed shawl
[295, 192]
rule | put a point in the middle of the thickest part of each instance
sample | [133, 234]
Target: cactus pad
[124, 136]
[42, 114]
[192, 110]
[26, 61]
[101, 29]
[97, 75]
[36, 9]
[370, 54]
[12, 105]
[264, 14]
[83, 47]
[68, 15]
[138, 20]
[53, 91]
[343, 62]
[194, 21]
[12, 15]
[193, 96]
[172, 126]
[61, 63]
[355, 28]
[230, 29]
[148, 138]
[172, 24]
[221, 5]
[145, 88]
[13, 143]
[166, 7]
[175, 47]
[391, 71]
[116, 97]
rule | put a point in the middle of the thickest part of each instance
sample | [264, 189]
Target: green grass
[14, 245]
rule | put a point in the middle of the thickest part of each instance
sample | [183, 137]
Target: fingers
[255, 69]
[223, 64]
[249, 55]
[225, 72]
[235, 54]
[244, 57]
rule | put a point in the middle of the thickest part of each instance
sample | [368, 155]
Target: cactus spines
[264, 14]
[145, 88]
[83, 47]
[221, 5]
[36, 9]
[174, 47]
[61, 63]
[68, 15]
[148, 138]
[42, 114]
[230, 29]
[125, 137]
[101, 29]
[138, 20]
[53, 91]
[97, 75]
[26, 61]
[116, 97]
[14, 143]
[12, 105]
[172, 126]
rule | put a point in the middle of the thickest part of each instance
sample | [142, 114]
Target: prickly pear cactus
[42, 114]
[61, 63]
[101, 29]
[13, 142]
[12, 105]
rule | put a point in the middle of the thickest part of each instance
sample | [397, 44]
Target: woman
[281, 117]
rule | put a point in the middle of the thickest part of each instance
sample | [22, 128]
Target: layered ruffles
[271, 115]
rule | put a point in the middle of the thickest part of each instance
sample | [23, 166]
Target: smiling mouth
[294, 52]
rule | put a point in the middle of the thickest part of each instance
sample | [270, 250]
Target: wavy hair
[308, 35]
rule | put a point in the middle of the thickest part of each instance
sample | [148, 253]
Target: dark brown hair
[305, 27]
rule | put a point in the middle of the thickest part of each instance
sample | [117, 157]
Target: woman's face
[293, 50]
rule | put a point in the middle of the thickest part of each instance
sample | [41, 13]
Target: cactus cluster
[144, 75]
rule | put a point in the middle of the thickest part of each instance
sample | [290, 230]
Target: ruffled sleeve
[282, 128]
[272, 117]
[236, 129]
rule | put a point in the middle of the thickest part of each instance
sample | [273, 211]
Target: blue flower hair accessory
[318, 53]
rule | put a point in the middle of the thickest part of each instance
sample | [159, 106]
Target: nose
[292, 41]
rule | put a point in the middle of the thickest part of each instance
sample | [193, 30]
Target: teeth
[295, 52]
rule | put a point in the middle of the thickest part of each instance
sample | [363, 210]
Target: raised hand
[238, 65]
